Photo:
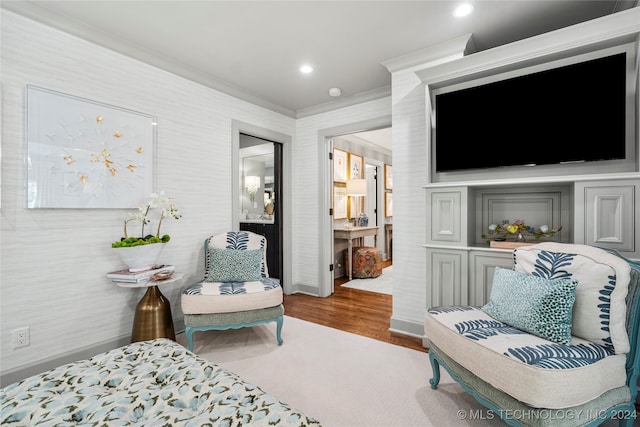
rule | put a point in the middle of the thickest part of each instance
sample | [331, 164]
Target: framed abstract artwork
[388, 177]
[355, 166]
[388, 205]
[339, 202]
[86, 154]
[339, 165]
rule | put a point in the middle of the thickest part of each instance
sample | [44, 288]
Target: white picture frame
[339, 202]
[356, 163]
[388, 205]
[388, 177]
[86, 154]
[339, 165]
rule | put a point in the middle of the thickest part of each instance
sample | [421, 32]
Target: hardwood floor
[360, 312]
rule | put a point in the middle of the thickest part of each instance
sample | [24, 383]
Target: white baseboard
[407, 327]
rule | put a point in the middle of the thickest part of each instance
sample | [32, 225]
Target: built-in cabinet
[599, 211]
[596, 203]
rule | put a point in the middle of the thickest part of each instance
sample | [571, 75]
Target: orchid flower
[161, 201]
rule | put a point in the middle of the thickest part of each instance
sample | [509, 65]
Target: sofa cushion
[536, 371]
[536, 305]
[231, 297]
[603, 281]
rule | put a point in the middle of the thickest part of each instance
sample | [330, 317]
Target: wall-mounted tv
[571, 113]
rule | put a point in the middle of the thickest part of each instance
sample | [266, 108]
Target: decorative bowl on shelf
[142, 257]
[163, 275]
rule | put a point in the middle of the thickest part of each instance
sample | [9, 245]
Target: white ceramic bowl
[142, 257]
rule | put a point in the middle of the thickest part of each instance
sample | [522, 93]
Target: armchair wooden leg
[435, 367]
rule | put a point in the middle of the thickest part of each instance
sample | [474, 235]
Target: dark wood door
[270, 231]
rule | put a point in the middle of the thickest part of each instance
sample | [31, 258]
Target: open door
[331, 202]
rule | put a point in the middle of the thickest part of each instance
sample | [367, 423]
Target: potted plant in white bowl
[141, 253]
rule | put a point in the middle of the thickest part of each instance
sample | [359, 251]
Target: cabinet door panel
[609, 213]
[444, 216]
[482, 265]
[447, 271]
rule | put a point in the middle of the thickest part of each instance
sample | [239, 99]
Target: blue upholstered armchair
[236, 290]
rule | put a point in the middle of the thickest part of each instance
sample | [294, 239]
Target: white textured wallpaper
[409, 206]
[53, 261]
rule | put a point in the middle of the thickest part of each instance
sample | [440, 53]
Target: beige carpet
[382, 284]
[342, 379]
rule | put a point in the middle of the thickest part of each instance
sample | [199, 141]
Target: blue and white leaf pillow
[539, 306]
[599, 311]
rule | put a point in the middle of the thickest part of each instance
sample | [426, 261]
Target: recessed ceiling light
[306, 69]
[463, 10]
[335, 91]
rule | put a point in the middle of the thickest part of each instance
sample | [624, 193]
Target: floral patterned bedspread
[151, 383]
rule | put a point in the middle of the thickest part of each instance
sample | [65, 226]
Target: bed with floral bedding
[149, 383]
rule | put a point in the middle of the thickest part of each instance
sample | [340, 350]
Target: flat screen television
[572, 113]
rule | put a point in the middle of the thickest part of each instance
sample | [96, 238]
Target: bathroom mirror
[257, 192]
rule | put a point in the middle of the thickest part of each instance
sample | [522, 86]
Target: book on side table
[138, 276]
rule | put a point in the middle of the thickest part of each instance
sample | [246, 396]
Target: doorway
[261, 186]
[276, 191]
[368, 149]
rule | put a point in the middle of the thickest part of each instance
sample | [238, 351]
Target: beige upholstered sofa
[557, 344]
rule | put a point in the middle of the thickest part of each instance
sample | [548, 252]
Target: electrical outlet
[21, 337]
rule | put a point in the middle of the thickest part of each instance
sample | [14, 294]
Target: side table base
[152, 317]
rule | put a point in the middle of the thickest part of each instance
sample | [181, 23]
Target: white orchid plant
[167, 209]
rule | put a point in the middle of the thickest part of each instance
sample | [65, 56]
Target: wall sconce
[252, 184]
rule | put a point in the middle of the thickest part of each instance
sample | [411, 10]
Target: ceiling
[253, 49]
[376, 139]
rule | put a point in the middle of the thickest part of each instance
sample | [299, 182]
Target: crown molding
[607, 31]
[343, 102]
[455, 48]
